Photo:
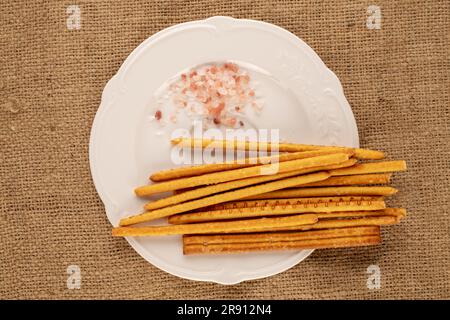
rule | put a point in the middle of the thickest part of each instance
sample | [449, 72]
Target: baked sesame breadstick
[281, 147]
[223, 197]
[358, 179]
[272, 210]
[259, 170]
[208, 239]
[343, 242]
[327, 191]
[216, 227]
[343, 223]
[399, 213]
[373, 167]
[244, 203]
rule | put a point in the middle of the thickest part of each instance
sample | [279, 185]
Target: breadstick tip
[176, 140]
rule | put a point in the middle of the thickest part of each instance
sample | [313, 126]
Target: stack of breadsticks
[318, 197]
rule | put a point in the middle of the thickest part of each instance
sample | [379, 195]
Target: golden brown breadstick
[374, 167]
[282, 245]
[376, 178]
[343, 223]
[244, 204]
[259, 170]
[272, 210]
[280, 236]
[399, 213]
[326, 191]
[223, 197]
[216, 227]
[230, 185]
[191, 171]
[281, 147]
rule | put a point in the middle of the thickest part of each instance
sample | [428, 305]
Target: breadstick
[244, 204]
[327, 191]
[374, 167]
[216, 227]
[282, 245]
[376, 178]
[280, 236]
[223, 197]
[190, 171]
[343, 223]
[281, 147]
[230, 185]
[399, 213]
[273, 210]
[217, 177]
[358, 179]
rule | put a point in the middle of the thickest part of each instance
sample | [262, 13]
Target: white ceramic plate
[302, 98]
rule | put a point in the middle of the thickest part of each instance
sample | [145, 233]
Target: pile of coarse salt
[219, 93]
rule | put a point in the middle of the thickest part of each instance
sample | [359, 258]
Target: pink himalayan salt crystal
[222, 91]
[231, 66]
[217, 110]
[230, 122]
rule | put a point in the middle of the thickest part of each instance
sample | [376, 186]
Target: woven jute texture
[396, 79]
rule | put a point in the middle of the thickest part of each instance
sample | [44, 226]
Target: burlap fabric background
[397, 80]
